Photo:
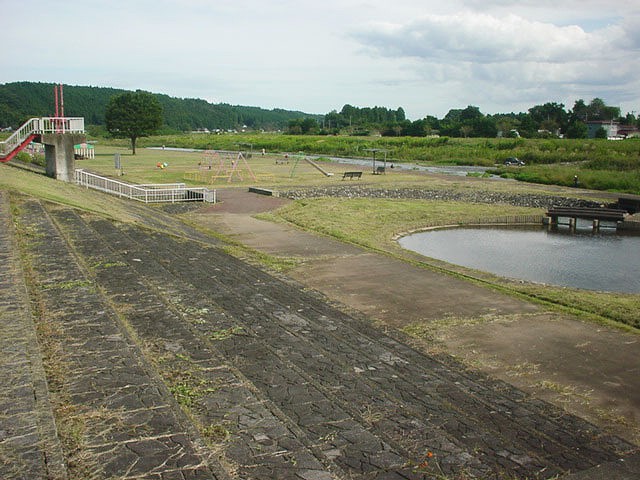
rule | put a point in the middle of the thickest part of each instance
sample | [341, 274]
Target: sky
[426, 56]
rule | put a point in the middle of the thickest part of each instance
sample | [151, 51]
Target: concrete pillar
[58, 154]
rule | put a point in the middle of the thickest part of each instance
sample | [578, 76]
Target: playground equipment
[380, 169]
[228, 165]
[84, 150]
[301, 156]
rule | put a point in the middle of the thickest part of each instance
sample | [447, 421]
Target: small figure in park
[575, 181]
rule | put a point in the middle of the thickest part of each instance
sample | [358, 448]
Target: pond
[605, 260]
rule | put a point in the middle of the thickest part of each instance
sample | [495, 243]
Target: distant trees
[596, 110]
[550, 117]
[22, 100]
[577, 129]
[355, 119]
[133, 115]
[302, 126]
[581, 113]
[546, 120]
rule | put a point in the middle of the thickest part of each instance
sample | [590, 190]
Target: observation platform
[58, 134]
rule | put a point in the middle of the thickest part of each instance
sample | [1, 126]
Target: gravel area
[520, 200]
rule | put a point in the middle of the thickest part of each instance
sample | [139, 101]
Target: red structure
[35, 128]
[58, 96]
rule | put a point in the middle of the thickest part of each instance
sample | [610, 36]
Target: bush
[23, 157]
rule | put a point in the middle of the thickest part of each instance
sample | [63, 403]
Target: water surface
[606, 260]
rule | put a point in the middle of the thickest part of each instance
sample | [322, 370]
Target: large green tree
[551, 116]
[133, 115]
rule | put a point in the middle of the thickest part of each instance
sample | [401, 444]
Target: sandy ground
[589, 369]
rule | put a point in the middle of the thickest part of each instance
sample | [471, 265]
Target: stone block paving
[29, 448]
[346, 396]
[274, 381]
[119, 421]
[257, 440]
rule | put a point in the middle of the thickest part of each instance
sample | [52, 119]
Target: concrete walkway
[589, 369]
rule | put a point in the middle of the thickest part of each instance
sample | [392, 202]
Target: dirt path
[588, 369]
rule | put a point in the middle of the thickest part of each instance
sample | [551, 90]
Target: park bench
[351, 175]
[379, 170]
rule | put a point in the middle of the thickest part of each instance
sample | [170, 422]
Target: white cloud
[425, 55]
[484, 38]
[501, 57]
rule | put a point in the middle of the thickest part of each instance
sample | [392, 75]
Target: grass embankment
[39, 186]
[374, 222]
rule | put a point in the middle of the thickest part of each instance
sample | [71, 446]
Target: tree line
[548, 120]
[20, 101]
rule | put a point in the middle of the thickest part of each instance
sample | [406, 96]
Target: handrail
[176, 192]
[39, 126]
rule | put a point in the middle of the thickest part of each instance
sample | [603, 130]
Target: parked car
[514, 161]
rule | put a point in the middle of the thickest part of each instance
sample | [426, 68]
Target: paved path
[497, 330]
[175, 360]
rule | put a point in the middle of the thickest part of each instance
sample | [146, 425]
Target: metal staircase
[35, 127]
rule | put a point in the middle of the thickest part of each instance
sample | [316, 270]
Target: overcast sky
[427, 56]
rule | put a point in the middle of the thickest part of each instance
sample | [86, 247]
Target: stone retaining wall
[520, 200]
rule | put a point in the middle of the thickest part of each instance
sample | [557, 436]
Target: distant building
[628, 131]
[615, 130]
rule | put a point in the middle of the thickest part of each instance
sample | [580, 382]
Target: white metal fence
[148, 193]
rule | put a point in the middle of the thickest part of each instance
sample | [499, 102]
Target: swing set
[226, 165]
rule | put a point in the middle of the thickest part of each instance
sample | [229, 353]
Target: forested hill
[20, 101]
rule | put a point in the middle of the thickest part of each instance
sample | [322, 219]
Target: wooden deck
[596, 215]
[601, 214]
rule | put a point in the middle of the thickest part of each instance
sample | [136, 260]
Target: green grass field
[270, 170]
[374, 222]
[600, 164]
[274, 170]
